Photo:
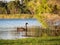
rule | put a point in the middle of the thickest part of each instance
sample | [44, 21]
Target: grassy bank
[33, 41]
[15, 16]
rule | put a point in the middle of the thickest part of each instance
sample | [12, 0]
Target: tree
[38, 7]
[2, 8]
[14, 7]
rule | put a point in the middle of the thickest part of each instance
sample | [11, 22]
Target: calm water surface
[8, 25]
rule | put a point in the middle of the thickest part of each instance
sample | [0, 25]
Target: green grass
[33, 41]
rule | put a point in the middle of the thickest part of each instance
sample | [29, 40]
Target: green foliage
[29, 6]
[43, 7]
[2, 10]
[14, 8]
[32, 41]
[40, 9]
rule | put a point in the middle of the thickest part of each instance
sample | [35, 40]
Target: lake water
[8, 27]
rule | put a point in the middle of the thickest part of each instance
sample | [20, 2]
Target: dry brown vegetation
[52, 17]
[15, 16]
[53, 2]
